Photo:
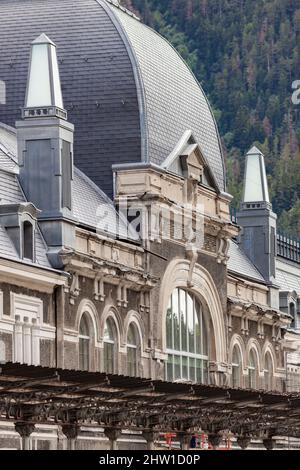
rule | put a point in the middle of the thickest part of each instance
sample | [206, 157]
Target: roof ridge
[117, 4]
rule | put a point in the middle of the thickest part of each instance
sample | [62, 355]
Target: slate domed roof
[128, 92]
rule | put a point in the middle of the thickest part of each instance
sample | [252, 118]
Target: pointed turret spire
[258, 222]
[255, 185]
[45, 150]
[43, 94]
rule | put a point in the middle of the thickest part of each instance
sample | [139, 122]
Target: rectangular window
[66, 158]
[109, 358]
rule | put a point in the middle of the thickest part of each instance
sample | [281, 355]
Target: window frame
[189, 364]
[114, 342]
[84, 340]
[253, 370]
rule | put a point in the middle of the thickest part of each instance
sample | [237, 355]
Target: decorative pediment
[188, 160]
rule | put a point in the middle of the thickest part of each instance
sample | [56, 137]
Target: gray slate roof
[240, 264]
[94, 209]
[127, 91]
[87, 200]
[288, 281]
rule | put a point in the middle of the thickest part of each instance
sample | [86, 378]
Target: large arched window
[252, 370]
[110, 346]
[133, 347]
[84, 343]
[187, 339]
[236, 367]
[268, 372]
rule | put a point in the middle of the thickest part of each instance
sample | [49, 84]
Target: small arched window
[110, 346]
[28, 240]
[293, 313]
[84, 343]
[236, 367]
[133, 347]
[187, 339]
[252, 370]
[268, 372]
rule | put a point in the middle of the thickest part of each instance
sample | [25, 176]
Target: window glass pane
[177, 368]
[205, 378]
[176, 323]
[199, 370]
[192, 369]
[182, 303]
[185, 372]
[190, 322]
[84, 345]
[109, 358]
[198, 332]
[169, 325]
[170, 368]
[132, 362]
[84, 327]
[108, 330]
[132, 335]
[236, 368]
[204, 336]
[268, 373]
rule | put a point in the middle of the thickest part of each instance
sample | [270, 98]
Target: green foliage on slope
[246, 54]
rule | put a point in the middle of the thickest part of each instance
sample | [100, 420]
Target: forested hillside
[246, 54]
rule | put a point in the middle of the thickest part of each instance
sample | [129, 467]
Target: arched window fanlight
[268, 372]
[84, 343]
[133, 347]
[110, 346]
[28, 240]
[187, 339]
[236, 367]
[252, 370]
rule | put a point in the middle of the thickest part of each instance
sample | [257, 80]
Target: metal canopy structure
[31, 395]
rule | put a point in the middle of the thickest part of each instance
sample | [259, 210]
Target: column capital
[24, 429]
[243, 442]
[70, 430]
[112, 434]
[269, 443]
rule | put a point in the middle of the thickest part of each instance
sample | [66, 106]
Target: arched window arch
[133, 351]
[110, 340]
[253, 370]
[84, 343]
[237, 367]
[268, 372]
[187, 339]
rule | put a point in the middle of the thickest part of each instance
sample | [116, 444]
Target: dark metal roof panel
[97, 77]
[126, 89]
[240, 264]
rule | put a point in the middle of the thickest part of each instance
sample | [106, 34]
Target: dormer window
[20, 222]
[28, 240]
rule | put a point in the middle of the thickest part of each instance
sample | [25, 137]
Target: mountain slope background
[246, 54]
